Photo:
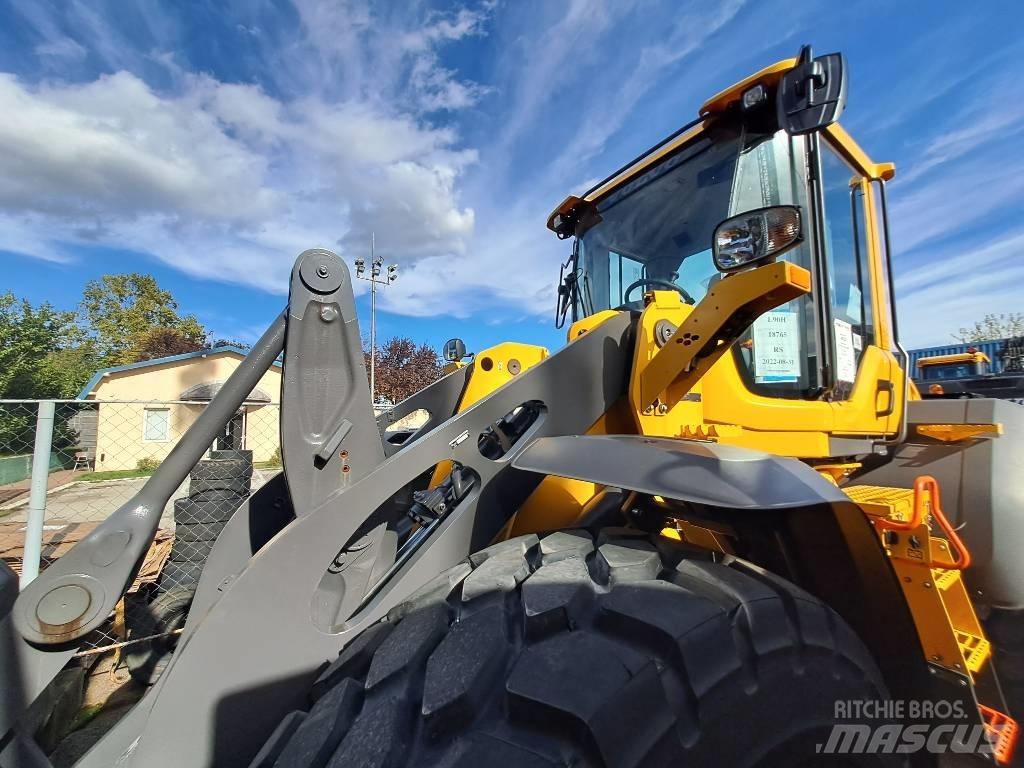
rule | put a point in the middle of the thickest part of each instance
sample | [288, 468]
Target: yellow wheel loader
[712, 530]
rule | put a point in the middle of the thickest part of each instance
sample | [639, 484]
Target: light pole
[375, 279]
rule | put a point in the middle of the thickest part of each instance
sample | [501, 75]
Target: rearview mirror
[454, 350]
[755, 236]
[812, 95]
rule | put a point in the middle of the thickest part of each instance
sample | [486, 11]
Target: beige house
[144, 408]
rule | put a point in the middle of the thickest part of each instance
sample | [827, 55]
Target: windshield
[656, 231]
[947, 371]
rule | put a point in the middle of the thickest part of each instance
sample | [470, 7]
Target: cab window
[849, 285]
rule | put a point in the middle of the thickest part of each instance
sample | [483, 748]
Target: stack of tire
[217, 487]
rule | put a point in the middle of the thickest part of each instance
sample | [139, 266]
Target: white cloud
[222, 180]
[954, 288]
[357, 120]
[61, 48]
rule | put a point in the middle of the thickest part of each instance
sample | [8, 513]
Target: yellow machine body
[687, 383]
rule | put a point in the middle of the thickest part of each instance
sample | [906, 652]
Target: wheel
[190, 551]
[189, 532]
[164, 615]
[225, 453]
[219, 469]
[563, 651]
[239, 485]
[218, 495]
[176, 574]
[205, 510]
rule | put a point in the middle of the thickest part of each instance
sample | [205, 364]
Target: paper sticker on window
[846, 357]
[858, 342]
[776, 347]
[853, 305]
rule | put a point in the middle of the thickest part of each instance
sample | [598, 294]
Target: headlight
[756, 235]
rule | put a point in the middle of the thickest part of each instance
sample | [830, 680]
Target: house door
[232, 438]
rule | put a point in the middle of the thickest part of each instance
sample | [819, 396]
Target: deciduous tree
[28, 335]
[993, 326]
[120, 310]
[164, 342]
[403, 367]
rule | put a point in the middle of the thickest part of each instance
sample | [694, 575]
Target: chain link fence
[97, 456]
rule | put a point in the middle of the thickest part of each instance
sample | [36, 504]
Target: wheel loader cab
[819, 376]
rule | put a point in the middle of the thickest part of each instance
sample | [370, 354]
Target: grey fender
[701, 473]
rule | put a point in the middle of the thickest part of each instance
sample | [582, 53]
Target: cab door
[865, 394]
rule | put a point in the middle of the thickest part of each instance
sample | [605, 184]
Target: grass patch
[114, 474]
[272, 464]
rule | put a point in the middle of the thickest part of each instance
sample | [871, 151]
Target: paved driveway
[91, 502]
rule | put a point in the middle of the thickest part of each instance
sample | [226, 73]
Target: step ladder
[930, 571]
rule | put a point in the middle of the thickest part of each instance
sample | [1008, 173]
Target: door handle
[884, 385]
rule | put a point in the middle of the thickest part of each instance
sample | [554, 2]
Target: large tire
[206, 511]
[235, 484]
[554, 652]
[191, 551]
[165, 614]
[221, 468]
[189, 532]
[175, 574]
[232, 453]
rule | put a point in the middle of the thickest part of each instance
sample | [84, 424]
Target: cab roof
[960, 357]
[716, 105]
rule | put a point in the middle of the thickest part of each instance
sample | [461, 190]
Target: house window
[156, 425]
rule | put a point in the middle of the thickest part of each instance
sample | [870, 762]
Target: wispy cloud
[226, 181]
[959, 285]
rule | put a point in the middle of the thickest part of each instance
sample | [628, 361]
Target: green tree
[121, 310]
[27, 336]
[42, 355]
[992, 326]
[63, 372]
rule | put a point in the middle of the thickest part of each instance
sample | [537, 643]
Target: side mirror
[566, 291]
[454, 350]
[755, 236]
[812, 95]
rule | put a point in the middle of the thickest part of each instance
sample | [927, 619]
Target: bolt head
[323, 271]
[328, 314]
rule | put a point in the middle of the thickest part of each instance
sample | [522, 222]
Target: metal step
[945, 579]
[1002, 731]
[976, 650]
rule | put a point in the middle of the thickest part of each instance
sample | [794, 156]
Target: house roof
[205, 392]
[98, 376]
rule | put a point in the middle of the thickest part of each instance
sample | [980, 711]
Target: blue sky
[209, 143]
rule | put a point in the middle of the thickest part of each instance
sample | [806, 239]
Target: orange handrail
[916, 517]
[926, 492]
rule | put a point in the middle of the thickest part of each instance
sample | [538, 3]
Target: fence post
[37, 493]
